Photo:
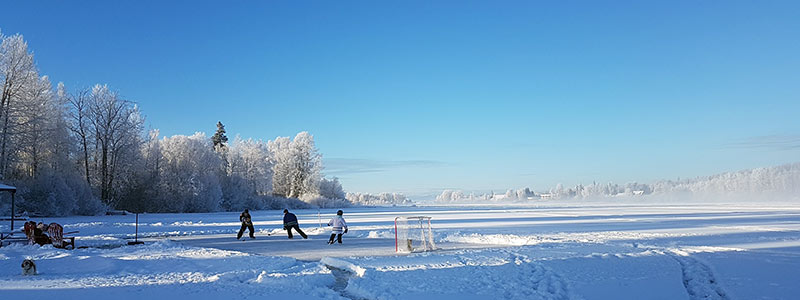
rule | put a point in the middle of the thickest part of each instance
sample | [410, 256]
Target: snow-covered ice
[543, 251]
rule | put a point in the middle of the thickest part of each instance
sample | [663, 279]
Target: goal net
[413, 234]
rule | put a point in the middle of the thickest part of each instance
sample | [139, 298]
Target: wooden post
[136, 237]
[12, 210]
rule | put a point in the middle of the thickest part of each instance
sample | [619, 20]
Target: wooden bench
[55, 236]
[56, 232]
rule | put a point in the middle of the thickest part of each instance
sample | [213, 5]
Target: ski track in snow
[698, 278]
[470, 272]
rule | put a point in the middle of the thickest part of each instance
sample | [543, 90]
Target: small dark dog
[28, 267]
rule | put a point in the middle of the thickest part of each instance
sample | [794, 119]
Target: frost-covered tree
[79, 124]
[43, 150]
[248, 179]
[331, 189]
[151, 154]
[282, 165]
[188, 182]
[84, 151]
[250, 159]
[36, 148]
[117, 126]
[450, 196]
[37, 127]
[379, 199]
[307, 166]
[142, 188]
[456, 196]
[297, 165]
[18, 76]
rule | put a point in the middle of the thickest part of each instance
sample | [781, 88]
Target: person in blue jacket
[289, 222]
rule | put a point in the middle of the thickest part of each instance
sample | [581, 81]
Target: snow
[544, 251]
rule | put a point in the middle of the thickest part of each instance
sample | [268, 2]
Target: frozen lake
[545, 251]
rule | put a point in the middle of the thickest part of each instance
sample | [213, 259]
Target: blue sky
[419, 96]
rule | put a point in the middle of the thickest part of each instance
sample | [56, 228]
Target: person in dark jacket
[247, 222]
[289, 222]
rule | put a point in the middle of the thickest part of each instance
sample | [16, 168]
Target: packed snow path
[314, 248]
[699, 279]
[598, 251]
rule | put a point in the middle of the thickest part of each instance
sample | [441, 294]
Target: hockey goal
[413, 234]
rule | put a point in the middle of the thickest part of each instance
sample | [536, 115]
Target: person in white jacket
[339, 227]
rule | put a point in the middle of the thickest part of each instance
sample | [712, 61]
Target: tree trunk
[104, 175]
[3, 158]
[86, 158]
[34, 153]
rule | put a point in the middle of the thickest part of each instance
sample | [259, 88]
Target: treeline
[781, 183]
[199, 174]
[382, 199]
[83, 151]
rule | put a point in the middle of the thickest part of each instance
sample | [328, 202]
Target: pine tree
[219, 137]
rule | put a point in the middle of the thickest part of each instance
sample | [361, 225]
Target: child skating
[339, 227]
